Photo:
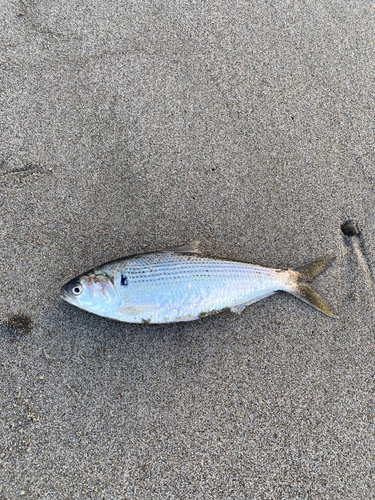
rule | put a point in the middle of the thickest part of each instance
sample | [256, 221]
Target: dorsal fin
[190, 248]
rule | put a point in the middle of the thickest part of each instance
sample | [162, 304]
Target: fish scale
[176, 284]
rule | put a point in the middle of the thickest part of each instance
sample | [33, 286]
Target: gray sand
[134, 125]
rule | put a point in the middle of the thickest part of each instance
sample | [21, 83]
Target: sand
[132, 126]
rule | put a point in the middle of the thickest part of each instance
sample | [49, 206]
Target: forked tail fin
[302, 275]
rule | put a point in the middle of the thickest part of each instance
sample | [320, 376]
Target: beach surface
[127, 127]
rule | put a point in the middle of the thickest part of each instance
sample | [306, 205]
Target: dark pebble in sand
[350, 228]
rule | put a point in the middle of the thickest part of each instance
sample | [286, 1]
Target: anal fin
[238, 308]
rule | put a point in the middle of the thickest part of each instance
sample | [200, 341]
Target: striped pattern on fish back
[170, 268]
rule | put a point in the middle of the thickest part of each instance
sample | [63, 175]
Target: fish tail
[302, 290]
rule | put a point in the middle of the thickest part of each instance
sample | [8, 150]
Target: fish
[179, 284]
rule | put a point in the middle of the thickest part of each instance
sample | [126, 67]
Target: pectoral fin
[132, 310]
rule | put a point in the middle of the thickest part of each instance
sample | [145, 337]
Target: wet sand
[129, 127]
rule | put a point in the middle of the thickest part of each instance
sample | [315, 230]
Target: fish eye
[77, 289]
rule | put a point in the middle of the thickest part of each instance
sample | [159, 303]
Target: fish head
[92, 292]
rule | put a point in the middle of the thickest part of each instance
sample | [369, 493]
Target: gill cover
[92, 292]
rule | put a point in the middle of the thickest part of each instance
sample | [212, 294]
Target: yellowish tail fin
[306, 273]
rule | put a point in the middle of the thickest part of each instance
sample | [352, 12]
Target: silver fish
[177, 284]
